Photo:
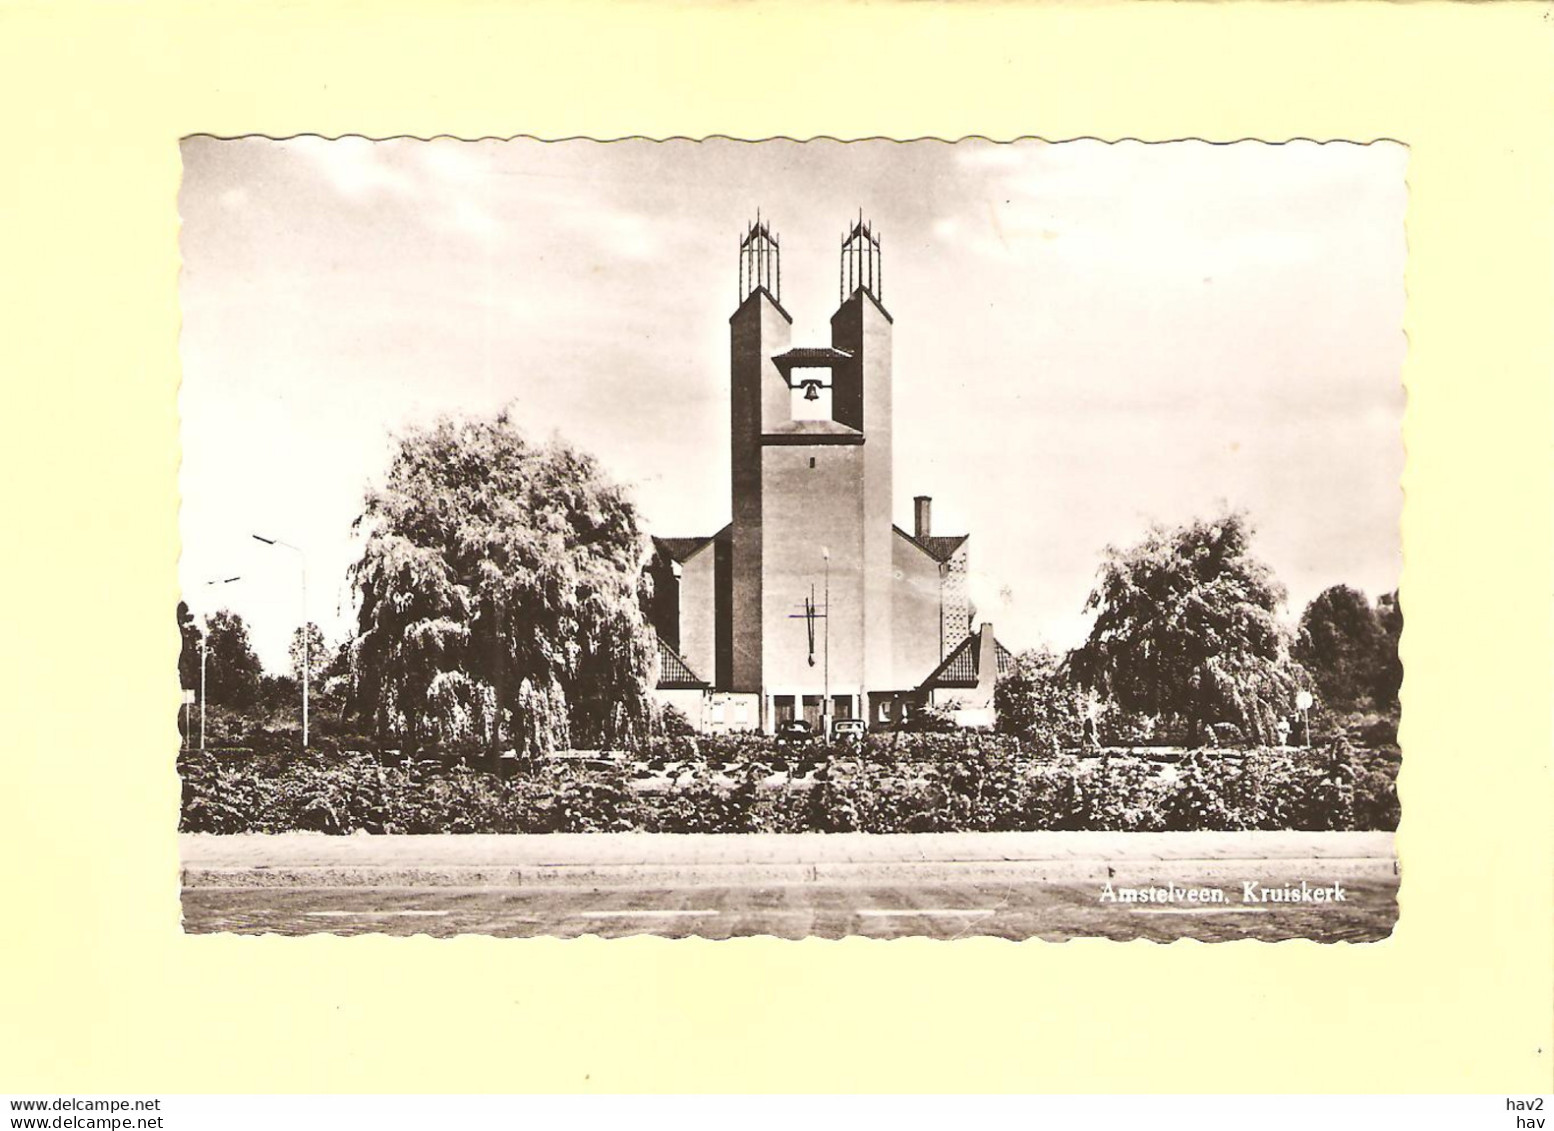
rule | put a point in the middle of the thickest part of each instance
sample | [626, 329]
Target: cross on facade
[809, 616]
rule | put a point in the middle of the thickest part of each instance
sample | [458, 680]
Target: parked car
[795, 734]
[848, 731]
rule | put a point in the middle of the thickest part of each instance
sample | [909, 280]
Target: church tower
[861, 328]
[759, 330]
[811, 603]
[811, 538]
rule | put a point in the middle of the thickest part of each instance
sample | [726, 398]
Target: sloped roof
[961, 667]
[862, 292]
[939, 547]
[680, 549]
[771, 298]
[674, 674]
[801, 357]
[1005, 658]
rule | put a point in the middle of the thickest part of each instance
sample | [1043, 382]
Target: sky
[1089, 338]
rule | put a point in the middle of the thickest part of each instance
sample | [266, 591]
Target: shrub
[929, 719]
[1323, 793]
[928, 783]
[672, 721]
[1037, 701]
[1199, 797]
[1376, 796]
[1125, 796]
[1116, 727]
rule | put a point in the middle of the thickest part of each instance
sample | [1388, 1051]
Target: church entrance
[812, 711]
[782, 708]
[810, 708]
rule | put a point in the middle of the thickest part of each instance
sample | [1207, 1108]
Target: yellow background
[99, 990]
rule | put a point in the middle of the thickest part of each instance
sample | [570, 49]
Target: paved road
[278, 853]
[1009, 885]
[793, 911]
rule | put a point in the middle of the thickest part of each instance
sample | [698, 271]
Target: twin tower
[811, 603]
[812, 481]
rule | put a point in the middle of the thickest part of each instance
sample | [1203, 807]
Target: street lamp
[1304, 702]
[204, 650]
[306, 661]
[825, 708]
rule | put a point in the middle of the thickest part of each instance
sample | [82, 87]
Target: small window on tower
[811, 461]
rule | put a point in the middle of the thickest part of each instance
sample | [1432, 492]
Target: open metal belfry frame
[862, 267]
[760, 261]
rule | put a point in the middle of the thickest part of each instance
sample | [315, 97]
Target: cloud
[455, 187]
[356, 168]
[618, 232]
[998, 155]
[453, 162]
[446, 183]
[462, 214]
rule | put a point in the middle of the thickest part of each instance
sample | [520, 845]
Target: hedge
[935, 783]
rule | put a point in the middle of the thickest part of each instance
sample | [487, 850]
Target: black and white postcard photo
[800, 539]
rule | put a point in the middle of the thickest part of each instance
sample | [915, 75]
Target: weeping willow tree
[1186, 626]
[498, 596]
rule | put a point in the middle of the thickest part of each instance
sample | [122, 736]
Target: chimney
[922, 516]
[987, 666]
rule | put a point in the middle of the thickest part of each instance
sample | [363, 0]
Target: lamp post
[825, 709]
[204, 650]
[306, 660]
[1304, 702]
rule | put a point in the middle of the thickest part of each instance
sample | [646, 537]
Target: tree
[1186, 625]
[189, 649]
[318, 653]
[1340, 643]
[334, 681]
[498, 587]
[280, 693]
[1037, 700]
[1388, 673]
[232, 671]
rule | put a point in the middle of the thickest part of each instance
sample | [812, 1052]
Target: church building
[811, 603]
